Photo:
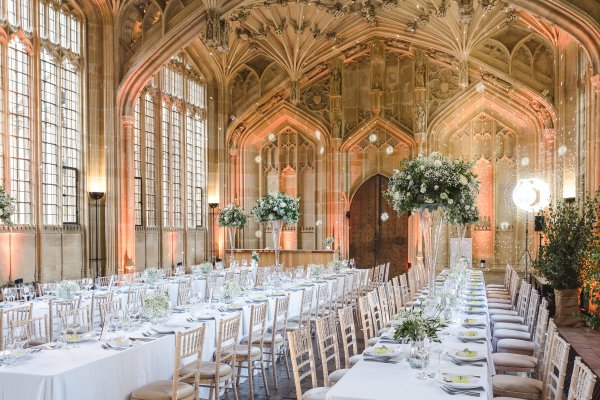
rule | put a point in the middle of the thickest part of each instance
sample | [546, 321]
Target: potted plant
[570, 233]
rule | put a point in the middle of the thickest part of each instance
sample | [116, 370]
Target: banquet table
[89, 372]
[369, 380]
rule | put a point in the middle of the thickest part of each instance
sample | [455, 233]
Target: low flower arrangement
[152, 276]
[230, 290]
[316, 270]
[66, 289]
[255, 257]
[337, 265]
[416, 327]
[156, 306]
[232, 216]
[277, 207]
[329, 242]
[205, 268]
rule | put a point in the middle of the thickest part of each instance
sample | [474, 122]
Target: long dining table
[87, 371]
[373, 380]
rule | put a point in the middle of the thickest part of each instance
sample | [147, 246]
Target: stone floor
[286, 389]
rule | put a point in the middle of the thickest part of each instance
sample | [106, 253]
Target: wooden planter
[567, 307]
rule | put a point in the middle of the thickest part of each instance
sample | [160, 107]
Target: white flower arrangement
[316, 269]
[230, 289]
[7, 206]
[433, 182]
[152, 275]
[205, 268]
[156, 306]
[337, 266]
[66, 288]
[232, 216]
[255, 257]
[277, 207]
[329, 241]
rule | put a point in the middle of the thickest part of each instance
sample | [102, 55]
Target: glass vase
[461, 229]
[276, 227]
[231, 231]
[430, 220]
[418, 358]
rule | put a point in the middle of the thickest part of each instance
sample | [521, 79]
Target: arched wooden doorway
[372, 240]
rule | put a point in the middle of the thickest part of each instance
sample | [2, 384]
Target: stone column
[595, 134]
[126, 230]
[377, 75]
[335, 100]
[548, 156]
[420, 101]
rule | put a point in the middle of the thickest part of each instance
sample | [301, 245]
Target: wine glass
[437, 349]
[87, 284]
[299, 273]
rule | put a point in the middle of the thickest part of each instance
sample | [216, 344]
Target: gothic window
[179, 147]
[57, 128]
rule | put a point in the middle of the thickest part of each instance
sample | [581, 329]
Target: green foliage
[416, 327]
[571, 233]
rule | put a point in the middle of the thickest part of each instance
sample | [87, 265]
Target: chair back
[366, 321]
[347, 291]
[55, 308]
[327, 341]
[543, 365]
[105, 281]
[556, 371]
[322, 297]
[384, 303]
[167, 272]
[135, 296]
[539, 335]
[76, 320]
[397, 294]
[582, 382]
[348, 333]
[376, 313]
[279, 322]
[36, 329]
[306, 305]
[227, 338]
[523, 299]
[13, 314]
[532, 310]
[212, 283]
[303, 360]
[404, 289]
[99, 298]
[184, 291]
[256, 330]
[333, 296]
[188, 357]
[107, 309]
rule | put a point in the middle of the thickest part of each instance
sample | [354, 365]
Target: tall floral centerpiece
[430, 187]
[276, 209]
[463, 211]
[233, 218]
[7, 206]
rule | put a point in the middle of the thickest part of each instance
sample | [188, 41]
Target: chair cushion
[512, 319]
[503, 312]
[515, 385]
[354, 359]
[499, 306]
[513, 360]
[494, 286]
[241, 351]
[336, 375]
[498, 295]
[515, 345]
[510, 334]
[292, 326]
[373, 341]
[382, 331]
[498, 301]
[161, 390]
[268, 339]
[511, 326]
[318, 393]
[208, 370]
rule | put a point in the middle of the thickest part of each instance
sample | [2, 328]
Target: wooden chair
[184, 292]
[107, 309]
[55, 308]
[329, 350]
[397, 294]
[186, 372]
[384, 305]
[348, 336]
[99, 298]
[13, 314]
[250, 354]
[303, 364]
[105, 281]
[135, 296]
[582, 382]
[305, 311]
[36, 329]
[332, 301]
[366, 322]
[222, 370]
[376, 313]
[320, 308]
[76, 320]
[524, 331]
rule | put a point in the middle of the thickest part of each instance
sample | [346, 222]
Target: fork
[453, 392]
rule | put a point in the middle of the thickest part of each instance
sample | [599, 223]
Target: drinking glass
[87, 283]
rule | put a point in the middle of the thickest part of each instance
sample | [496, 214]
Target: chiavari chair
[347, 290]
[524, 331]
[348, 336]
[184, 292]
[305, 310]
[501, 286]
[508, 298]
[582, 382]
[108, 308]
[376, 313]
[405, 290]
[515, 316]
[56, 307]
[220, 374]
[320, 308]
[167, 272]
[366, 322]
[37, 329]
[303, 364]
[397, 294]
[332, 301]
[186, 372]
[76, 320]
[99, 298]
[329, 351]
[251, 354]
[384, 304]
[13, 314]
[105, 281]
[212, 283]
[135, 296]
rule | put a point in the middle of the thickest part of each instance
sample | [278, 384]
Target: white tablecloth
[380, 381]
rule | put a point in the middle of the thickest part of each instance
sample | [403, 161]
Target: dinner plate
[460, 381]
[258, 299]
[278, 293]
[469, 335]
[380, 352]
[120, 342]
[234, 307]
[80, 337]
[466, 355]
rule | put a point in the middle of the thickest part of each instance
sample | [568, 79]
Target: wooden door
[373, 239]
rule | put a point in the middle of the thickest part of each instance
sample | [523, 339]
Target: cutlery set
[474, 392]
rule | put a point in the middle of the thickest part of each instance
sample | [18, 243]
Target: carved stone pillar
[548, 158]
[126, 230]
[335, 100]
[595, 133]
[234, 173]
[337, 210]
[377, 75]
[463, 74]
[295, 92]
[420, 101]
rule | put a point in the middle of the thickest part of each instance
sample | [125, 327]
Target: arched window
[180, 146]
[60, 105]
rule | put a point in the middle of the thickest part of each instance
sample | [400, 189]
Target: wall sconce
[97, 196]
[213, 205]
